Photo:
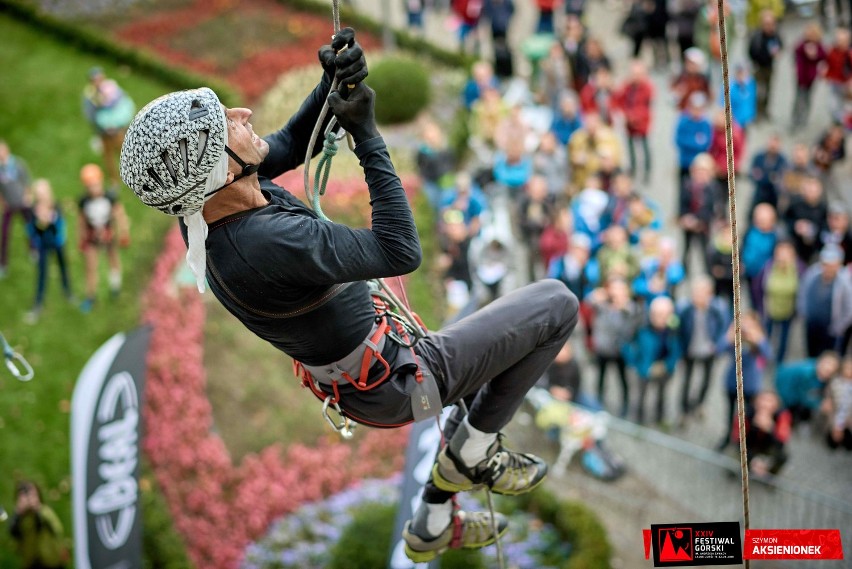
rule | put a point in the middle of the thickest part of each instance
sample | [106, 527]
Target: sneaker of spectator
[777, 286]
[801, 384]
[825, 302]
[768, 169]
[807, 218]
[837, 408]
[838, 231]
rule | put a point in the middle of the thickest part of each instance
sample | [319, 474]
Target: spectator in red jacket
[693, 78]
[810, 57]
[717, 147]
[634, 99]
[838, 69]
[598, 95]
[469, 12]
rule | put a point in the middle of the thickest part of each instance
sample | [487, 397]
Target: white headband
[196, 254]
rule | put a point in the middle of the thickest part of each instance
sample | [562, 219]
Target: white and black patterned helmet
[171, 147]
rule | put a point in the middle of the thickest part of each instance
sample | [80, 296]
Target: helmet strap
[247, 169]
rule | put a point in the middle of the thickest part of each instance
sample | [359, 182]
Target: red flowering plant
[219, 507]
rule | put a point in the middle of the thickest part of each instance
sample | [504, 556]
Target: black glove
[348, 66]
[356, 113]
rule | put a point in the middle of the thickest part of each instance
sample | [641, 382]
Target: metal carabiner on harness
[17, 365]
[345, 427]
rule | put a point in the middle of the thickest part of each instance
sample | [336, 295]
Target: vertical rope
[735, 261]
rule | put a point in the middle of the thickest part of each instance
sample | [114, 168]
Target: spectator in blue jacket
[801, 384]
[466, 197]
[767, 173]
[513, 168]
[654, 354]
[693, 132]
[578, 269]
[567, 121]
[758, 248]
[743, 96]
[47, 232]
[482, 77]
[756, 352]
[659, 274]
[703, 322]
[825, 302]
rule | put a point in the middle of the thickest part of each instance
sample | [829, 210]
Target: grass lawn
[43, 123]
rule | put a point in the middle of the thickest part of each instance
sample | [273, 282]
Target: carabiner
[345, 427]
[14, 363]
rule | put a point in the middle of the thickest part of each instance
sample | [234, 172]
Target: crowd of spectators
[102, 223]
[556, 183]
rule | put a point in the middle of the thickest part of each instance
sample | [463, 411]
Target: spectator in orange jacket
[634, 99]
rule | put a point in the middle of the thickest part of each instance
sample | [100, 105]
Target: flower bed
[306, 538]
[219, 507]
[249, 43]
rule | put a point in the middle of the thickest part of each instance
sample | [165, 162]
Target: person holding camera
[37, 531]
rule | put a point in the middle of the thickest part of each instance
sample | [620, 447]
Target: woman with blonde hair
[47, 232]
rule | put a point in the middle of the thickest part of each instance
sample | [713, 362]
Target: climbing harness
[17, 364]
[735, 261]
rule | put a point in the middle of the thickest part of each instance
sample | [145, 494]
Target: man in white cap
[298, 282]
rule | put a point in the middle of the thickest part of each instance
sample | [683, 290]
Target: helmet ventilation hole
[202, 144]
[168, 163]
[183, 156]
[156, 177]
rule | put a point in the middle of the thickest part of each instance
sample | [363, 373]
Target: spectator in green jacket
[37, 531]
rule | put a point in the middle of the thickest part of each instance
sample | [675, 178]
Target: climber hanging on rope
[298, 282]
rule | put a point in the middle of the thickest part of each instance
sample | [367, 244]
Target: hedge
[94, 42]
[402, 85]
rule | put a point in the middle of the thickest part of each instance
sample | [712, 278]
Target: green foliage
[578, 524]
[162, 547]
[365, 543]
[95, 42]
[42, 121]
[402, 89]
[460, 134]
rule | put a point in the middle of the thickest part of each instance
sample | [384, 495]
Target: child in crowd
[838, 408]
[103, 227]
[47, 232]
[654, 354]
[616, 318]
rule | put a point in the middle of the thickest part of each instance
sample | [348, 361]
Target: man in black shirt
[298, 282]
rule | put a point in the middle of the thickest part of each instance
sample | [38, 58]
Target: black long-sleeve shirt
[266, 263]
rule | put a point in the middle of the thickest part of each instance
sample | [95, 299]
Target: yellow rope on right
[735, 261]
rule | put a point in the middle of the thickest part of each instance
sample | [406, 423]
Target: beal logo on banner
[691, 544]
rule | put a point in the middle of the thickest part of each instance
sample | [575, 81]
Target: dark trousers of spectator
[845, 442]
[702, 242]
[732, 413]
[545, 22]
[687, 403]
[620, 365]
[661, 48]
[802, 106]
[684, 43]
[783, 327]
[661, 382]
[763, 77]
[8, 214]
[818, 339]
[632, 141]
[846, 343]
[41, 280]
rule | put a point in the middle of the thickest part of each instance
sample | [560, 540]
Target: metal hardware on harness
[345, 427]
[17, 365]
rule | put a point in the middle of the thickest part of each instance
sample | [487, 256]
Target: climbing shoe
[468, 530]
[503, 471]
